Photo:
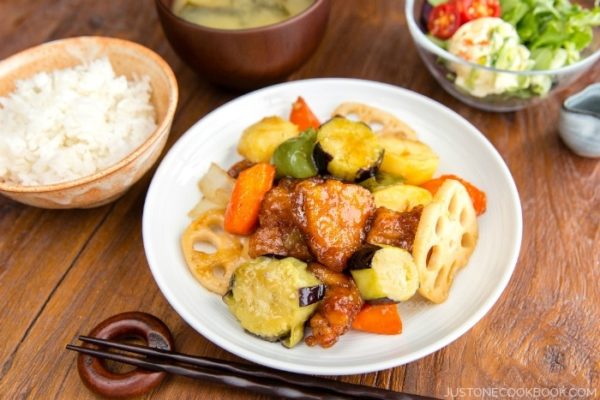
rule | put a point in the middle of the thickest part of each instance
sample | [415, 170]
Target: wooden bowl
[246, 58]
[127, 58]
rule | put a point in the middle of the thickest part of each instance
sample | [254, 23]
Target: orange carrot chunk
[241, 215]
[302, 116]
[478, 197]
[383, 319]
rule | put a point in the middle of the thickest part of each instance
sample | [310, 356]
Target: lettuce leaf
[555, 31]
[436, 2]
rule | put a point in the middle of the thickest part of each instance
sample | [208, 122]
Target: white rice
[70, 123]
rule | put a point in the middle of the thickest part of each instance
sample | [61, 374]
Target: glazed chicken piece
[333, 217]
[238, 167]
[277, 233]
[337, 310]
[395, 228]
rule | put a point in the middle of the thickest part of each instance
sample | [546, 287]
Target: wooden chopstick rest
[141, 325]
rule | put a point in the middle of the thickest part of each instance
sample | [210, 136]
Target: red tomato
[473, 9]
[444, 20]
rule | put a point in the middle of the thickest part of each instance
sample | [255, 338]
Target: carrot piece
[383, 319]
[241, 215]
[302, 116]
[478, 197]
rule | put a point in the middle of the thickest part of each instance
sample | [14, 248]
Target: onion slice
[216, 185]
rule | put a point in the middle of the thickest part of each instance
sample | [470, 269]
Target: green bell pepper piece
[293, 158]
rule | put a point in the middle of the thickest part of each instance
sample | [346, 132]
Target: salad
[513, 35]
[329, 225]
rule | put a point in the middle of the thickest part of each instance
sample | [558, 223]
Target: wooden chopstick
[249, 370]
[255, 378]
[254, 385]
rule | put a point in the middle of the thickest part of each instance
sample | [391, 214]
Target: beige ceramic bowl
[128, 59]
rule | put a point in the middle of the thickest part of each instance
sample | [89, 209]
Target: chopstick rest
[141, 325]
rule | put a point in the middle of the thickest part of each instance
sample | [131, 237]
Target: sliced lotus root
[211, 254]
[445, 239]
[374, 116]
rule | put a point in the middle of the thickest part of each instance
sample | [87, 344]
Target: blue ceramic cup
[580, 122]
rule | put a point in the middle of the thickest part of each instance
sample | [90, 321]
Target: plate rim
[482, 310]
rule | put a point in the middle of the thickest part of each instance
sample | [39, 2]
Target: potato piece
[401, 197]
[259, 141]
[411, 159]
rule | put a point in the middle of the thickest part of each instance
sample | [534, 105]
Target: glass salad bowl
[493, 88]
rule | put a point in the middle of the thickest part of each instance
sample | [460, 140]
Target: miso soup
[238, 14]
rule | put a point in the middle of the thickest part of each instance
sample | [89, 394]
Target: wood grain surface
[62, 272]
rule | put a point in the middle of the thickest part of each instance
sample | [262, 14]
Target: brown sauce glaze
[334, 217]
[395, 228]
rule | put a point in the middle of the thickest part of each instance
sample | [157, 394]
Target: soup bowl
[246, 58]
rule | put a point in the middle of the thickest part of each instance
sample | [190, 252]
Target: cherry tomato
[444, 20]
[473, 9]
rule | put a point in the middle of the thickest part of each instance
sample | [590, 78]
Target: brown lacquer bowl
[246, 58]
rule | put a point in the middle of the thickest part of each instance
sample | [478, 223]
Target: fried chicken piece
[395, 228]
[277, 233]
[337, 310]
[333, 217]
[235, 170]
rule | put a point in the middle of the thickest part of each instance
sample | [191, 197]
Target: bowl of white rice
[81, 120]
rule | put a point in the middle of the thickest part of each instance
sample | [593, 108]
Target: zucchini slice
[384, 273]
[348, 150]
[266, 298]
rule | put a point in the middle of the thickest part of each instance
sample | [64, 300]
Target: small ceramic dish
[246, 58]
[127, 58]
[580, 122]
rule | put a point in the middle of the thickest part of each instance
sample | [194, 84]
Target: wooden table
[62, 272]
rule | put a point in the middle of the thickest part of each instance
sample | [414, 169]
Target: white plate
[463, 150]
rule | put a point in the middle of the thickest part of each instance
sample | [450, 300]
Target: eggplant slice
[348, 150]
[384, 273]
[265, 297]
